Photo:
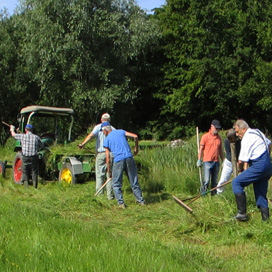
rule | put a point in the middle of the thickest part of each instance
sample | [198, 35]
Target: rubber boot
[241, 206]
[265, 213]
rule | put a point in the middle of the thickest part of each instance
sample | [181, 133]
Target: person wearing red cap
[209, 152]
[30, 144]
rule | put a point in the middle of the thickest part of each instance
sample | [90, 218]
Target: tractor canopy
[52, 124]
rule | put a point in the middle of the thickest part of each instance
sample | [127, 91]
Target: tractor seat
[48, 138]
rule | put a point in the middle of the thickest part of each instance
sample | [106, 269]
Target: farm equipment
[59, 159]
[194, 198]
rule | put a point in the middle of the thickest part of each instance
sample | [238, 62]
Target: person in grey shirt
[100, 161]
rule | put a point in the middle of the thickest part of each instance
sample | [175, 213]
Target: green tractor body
[59, 159]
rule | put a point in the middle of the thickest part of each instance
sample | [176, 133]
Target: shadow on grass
[149, 198]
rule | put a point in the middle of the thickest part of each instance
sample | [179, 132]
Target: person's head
[240, 126]
[215, 126]
[29, 127]
[105, 117]
[106, 128]
[231, 135]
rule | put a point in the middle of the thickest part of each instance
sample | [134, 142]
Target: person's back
[30, 143]
[117, 142]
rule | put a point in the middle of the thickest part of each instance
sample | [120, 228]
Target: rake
[99, 190]
[194, 198]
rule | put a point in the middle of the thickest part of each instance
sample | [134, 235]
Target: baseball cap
[216, 123]
[105, 124]
[29, 126]
[105, 116]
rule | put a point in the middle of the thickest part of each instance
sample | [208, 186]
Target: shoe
[265, 213]
[122, 206]
[110, 198]
[141, 203]
[241, 217]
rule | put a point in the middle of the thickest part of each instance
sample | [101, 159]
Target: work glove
[12, 128]
[199, 163]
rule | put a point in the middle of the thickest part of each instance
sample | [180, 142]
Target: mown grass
[66, 228]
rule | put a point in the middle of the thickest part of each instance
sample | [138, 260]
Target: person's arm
[108, 162]
[86, 140]
[135, 136]
[12, 130]
[246, 165]
[200, 153]
[241, 166]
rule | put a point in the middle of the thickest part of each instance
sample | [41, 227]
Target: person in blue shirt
[100, 161]
[116, 143]
[254, 160]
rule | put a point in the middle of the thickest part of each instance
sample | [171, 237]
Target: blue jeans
[258, 173]
[211, 170]
[128, 165]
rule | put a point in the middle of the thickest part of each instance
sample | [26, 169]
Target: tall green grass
[169, 169]
[66, 228]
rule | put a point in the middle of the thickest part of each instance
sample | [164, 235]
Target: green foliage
[218, 61]
[88, 55]
[84, 54]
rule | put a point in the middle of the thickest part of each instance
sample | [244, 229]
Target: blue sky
[147, 5]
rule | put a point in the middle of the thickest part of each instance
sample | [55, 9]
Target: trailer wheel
[18, 169]
[2, 169]
[66, 174]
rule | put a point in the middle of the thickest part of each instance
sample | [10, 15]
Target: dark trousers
[31, 167]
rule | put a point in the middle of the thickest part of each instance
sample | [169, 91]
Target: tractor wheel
[18, 169]
[2, 169]
[66, 174]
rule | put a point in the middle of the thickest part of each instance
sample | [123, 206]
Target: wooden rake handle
[197, 197]
[99, 190]
[5, 123]
[186, 207]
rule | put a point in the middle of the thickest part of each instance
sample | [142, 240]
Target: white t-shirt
[253, 145]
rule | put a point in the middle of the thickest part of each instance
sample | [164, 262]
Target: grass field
[66, 228]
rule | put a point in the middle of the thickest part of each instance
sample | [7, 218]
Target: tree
[218, 61]
[86, 54]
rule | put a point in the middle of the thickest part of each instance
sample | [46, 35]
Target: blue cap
[105, 124]
[29, 126]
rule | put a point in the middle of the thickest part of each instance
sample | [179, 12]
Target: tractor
[59, 159]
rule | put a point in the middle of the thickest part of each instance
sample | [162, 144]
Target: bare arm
[242, 166]
[86, 140]
[200, 152]
[135, 136]
[108, 161]
[12, 130]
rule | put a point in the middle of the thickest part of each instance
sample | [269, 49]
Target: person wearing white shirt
[255, 165]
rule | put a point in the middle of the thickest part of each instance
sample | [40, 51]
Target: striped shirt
[30, 143]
